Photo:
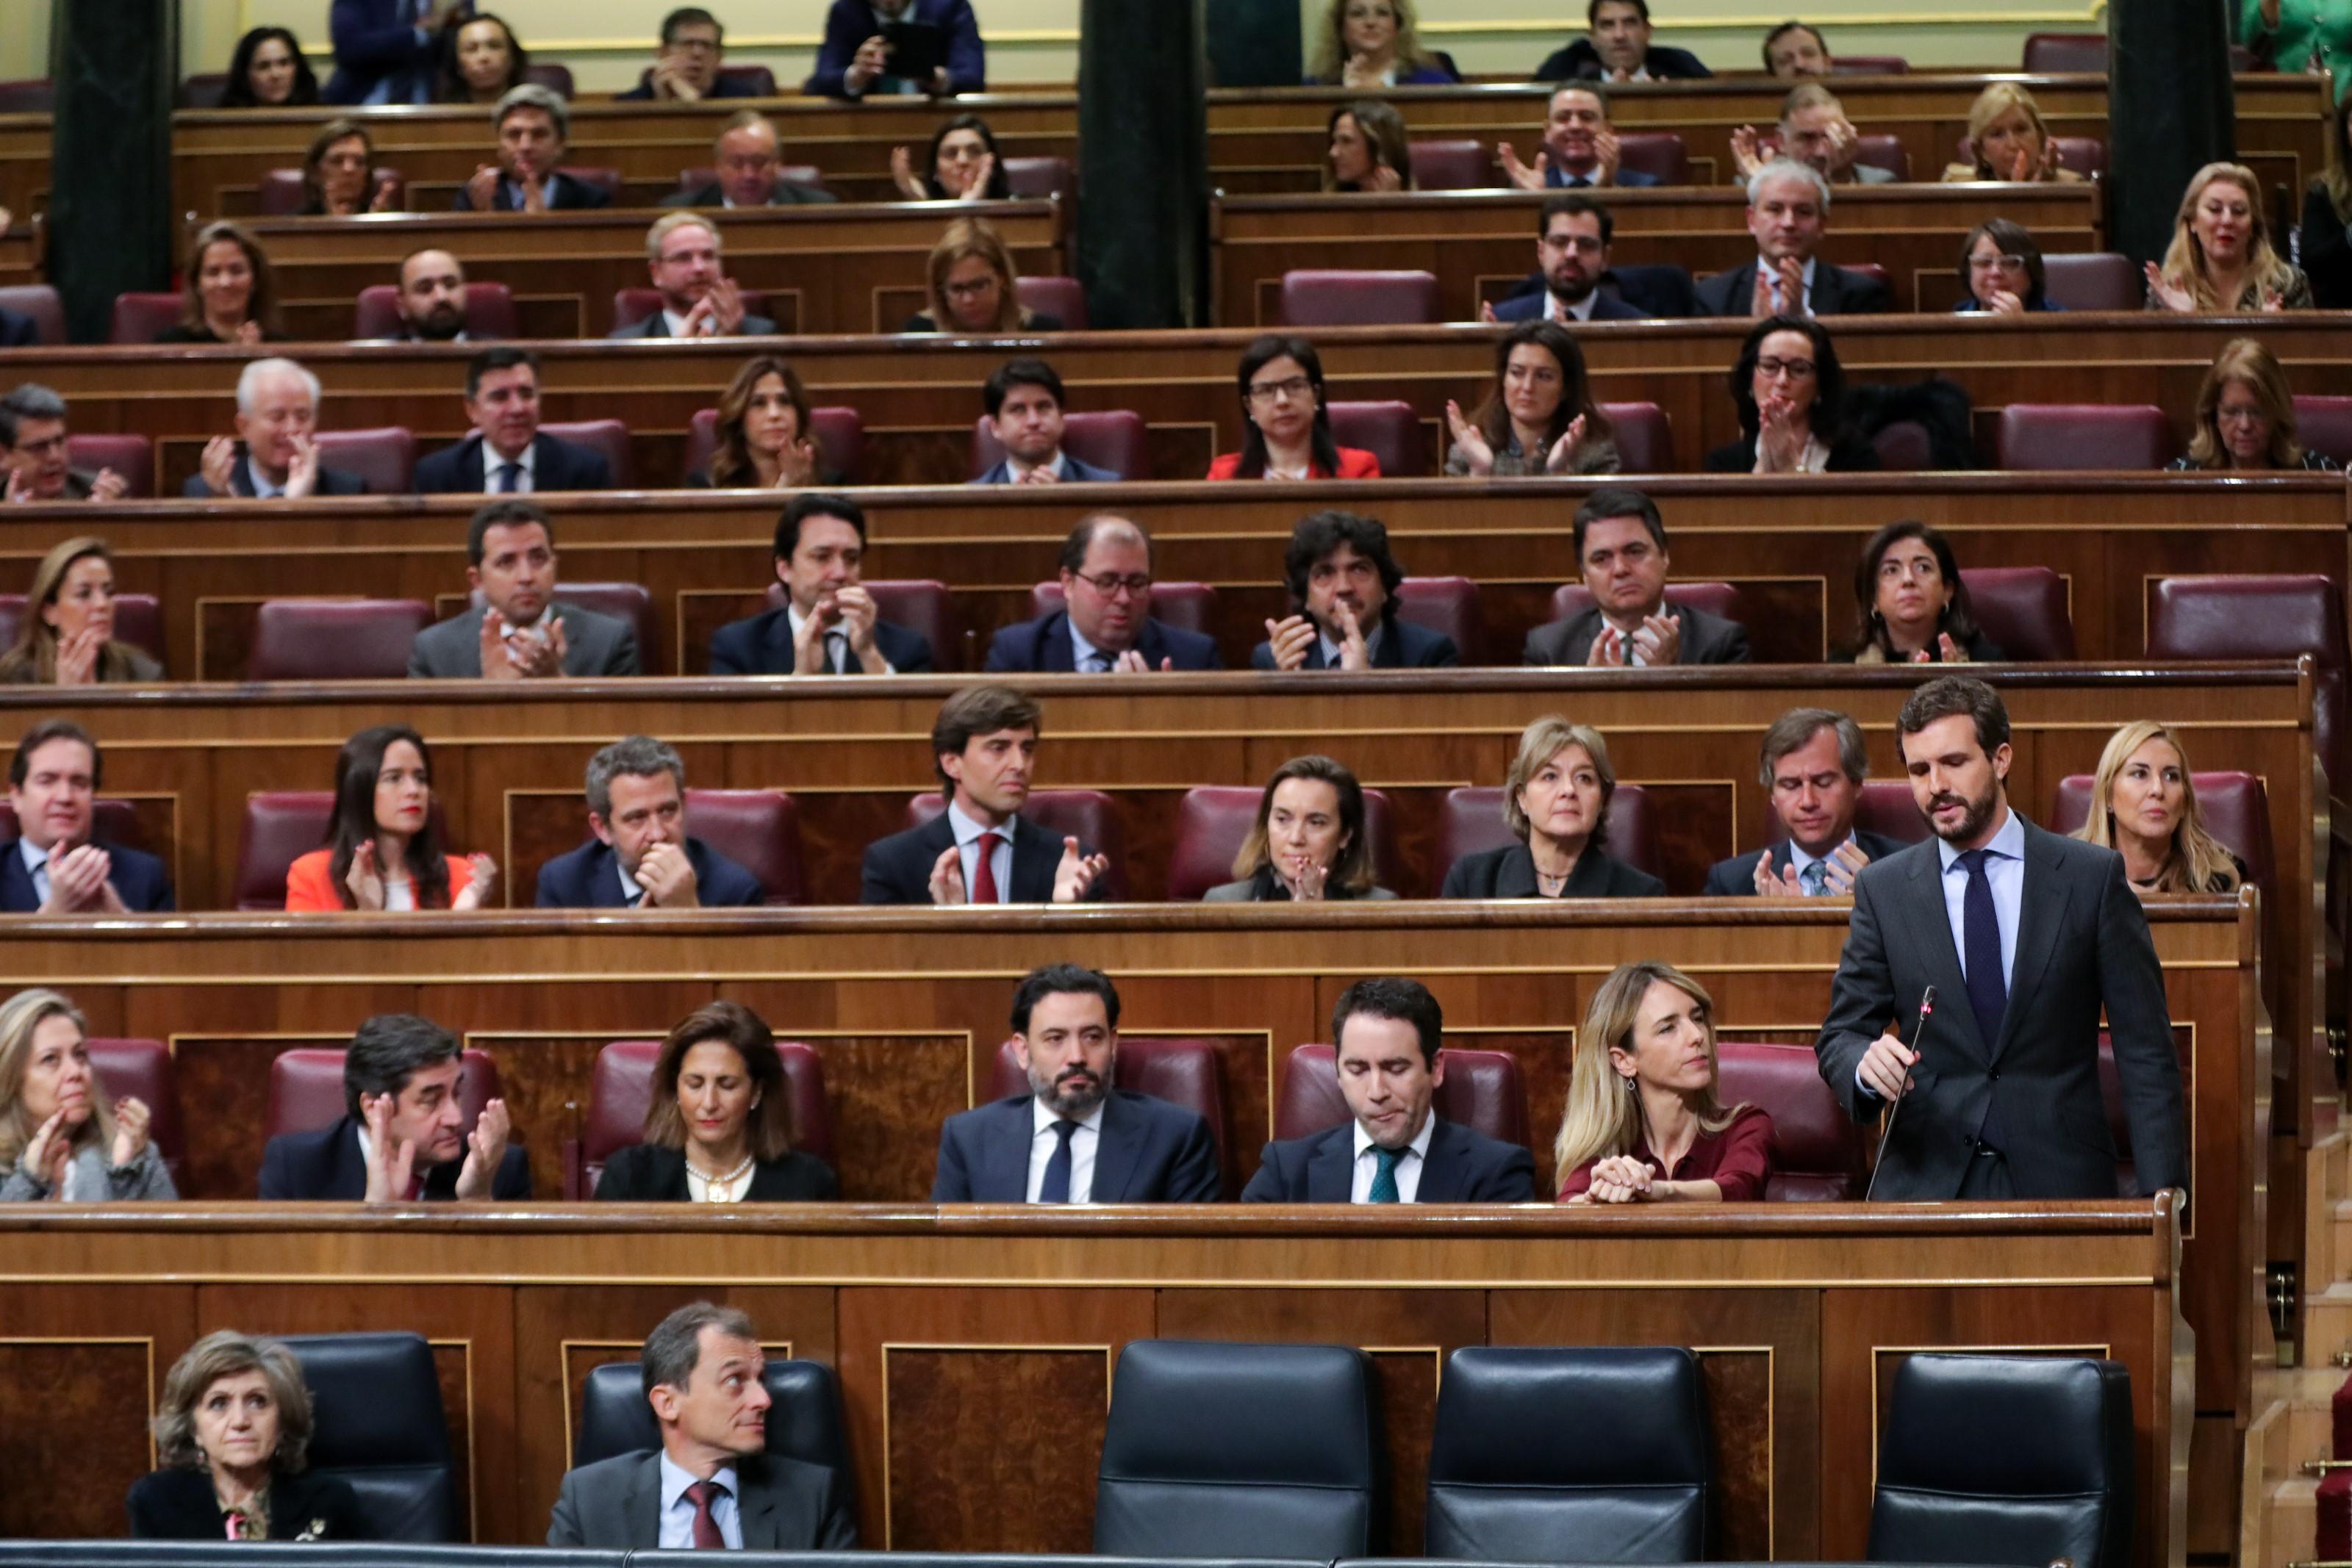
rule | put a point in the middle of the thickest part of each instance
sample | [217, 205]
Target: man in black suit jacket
[431, 299]
[642, 857]
[980, 849]
[828, 623]
[2025, 937]
[1572, 238]
[1344, 579]
[273, 453]
[712, 1484]
[1813, 767]
[53, 864]
[1788, 211]
[402, 1136]
[502, 402]
[749, 157]
[18, 331]
[1073, 1138]
[533, 127]
[1106, 607]
[1618, 48]
[1621, 541]
[1395, 1147]
[697, 299]
[693, 48]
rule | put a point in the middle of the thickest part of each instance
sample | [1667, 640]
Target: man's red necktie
[984, 872]
[705, 1495]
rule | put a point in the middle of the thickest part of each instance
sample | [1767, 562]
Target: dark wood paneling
[95, 1382]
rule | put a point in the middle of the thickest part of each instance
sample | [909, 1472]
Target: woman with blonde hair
[1556, 803]
[233, 1437]
[2220, 260]
[230, 294]
[718, 1130]
[2245, 415]
[2008, 141]
[1375, 42]
[765, 438]
[66, 638]
[1644, 1124]
[60, 1137]
[2144, 807]
[973, 285]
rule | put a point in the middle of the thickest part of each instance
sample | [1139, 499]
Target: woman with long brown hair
[66, 638]
[230, 294]
[718, 1130]
[765, 442]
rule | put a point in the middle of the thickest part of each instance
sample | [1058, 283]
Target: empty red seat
[2064, 53]
[621, 1091]
[1192, 606]
[2049, 437]
[2093, 280]
[1033, 178]
[608, 436]
[1645, 437]
[139, 317]
[36, 95]
[39, 301]
[1483, 1091]
[1816, 1146]
[385, 457]
[1330, 297]
[306, 1090]
[1064, 299]
[1087, 815]
[2262, 616]
[917, 604]
[2022, 609]
[1869, 66]
[1877, 274]
[141, 1070]
[280, 827]
[1662, 154]
[1449, 607]
[839, 433]
[1388, 430]
[138, 621]
[281, 194]
[631, 306]
[2235, 807]
[752, 81]
[1455, 164]
[2086, 155]
[1112, 438]
[1881, 150]
[1214, 820]
[111, 823]
[759, 830]
[133, 456]
[489, 312]
[1570, 600]
[2323, 424]
[1181, 1072]
[554, 77]
[1470, 821]
[335, 639]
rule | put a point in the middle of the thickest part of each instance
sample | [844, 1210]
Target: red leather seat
[306, 1090]
[2093, 280]
[141, 1070]
[2087, 156]
[2236, 810]
[133, 456]
[608, 436]
[385, 457]
[759, 830]
[1112, 438]
[1870, 66]
[2049, 437]
[621, 1091]
[917, 604]
[1035, 178]
[1880, 150]
[1470, 821]
[2064, 53]
[1816, 1146]
[280, 827]
[2022, 609]
[1660, 153]
[1086, 815]
[1448, 606]
[1483, 1091]
[1181, 1072]
[138, 621]
[606, 180]
[1062, 297]
[281, 194]
[554, 77]
[839, 433]
[489, 312]
[203, 90]
[1877, 274]
[631, 306]
[809, 174]
[111, 823]
[2262, 616]
[1192, 606]
[335, 639]
[2323, 424]
[1464, 164]
[138, 316]
[1214, 818]
[1332, 298]
[1645, 437]
[1388, 430]
[1904, 446]
[32, 96]
[40, 302]
[1573, 599]
[760, 80]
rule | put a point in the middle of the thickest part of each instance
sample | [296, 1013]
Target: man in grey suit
[519, 633]
[1621, 541]
[1787, 212]
[712, 1485]
[697, 299]
[2025, 936]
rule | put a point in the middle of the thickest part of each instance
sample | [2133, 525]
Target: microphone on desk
[1918, 1033]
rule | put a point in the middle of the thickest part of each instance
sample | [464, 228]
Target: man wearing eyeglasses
[1106, 625]
[1023, 399]
[1572, 252]
[828, 623]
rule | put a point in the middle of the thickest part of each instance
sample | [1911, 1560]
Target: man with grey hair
[273, 453]
[748, 162]
[33, 450]
[1788, 211]
[533, 124]
[713, 1484]
[642, 857]
[1812, 766]
[697, 299]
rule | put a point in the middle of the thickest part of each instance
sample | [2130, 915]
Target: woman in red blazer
[1290, 438]
[382, 851]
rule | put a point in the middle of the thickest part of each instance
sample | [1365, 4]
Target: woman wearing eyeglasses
[1281, 383]
[2003, 271]
[1792, 400]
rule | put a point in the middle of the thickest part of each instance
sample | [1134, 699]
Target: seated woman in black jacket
[1556, 801]
[1791, 399]
[1910, 606]
[717, 1130]
[232, 1436]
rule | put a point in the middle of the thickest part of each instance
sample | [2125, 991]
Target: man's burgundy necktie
[705, 1496]
[983, 870]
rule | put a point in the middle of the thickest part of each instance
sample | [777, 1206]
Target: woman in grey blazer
[1308, 842]
[59, 1137]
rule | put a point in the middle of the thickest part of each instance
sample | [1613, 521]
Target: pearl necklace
[721, 1188]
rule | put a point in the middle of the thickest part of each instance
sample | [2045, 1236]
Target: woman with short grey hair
[232, 1435]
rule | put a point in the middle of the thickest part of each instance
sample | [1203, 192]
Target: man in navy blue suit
[1393, 1147]
[693, 45]
[507, 455]
[534, 126]
[1579, 147]
[1344, 581]
[828, 623]
[1573, 235]
[53, 864]
[1025, 400]
[1104, 626]
[402, 1137]
[1813, 765]
[854, 59]
[18, 331]
[1617, 48]
[642, 857]
[387, 51]
[1073, 1138]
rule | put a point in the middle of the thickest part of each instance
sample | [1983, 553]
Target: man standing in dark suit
[386, 51]
[712, 1485]
[748, 161]
[693, 47]
[697, 299]
[519, 630]
[1573, 234]
[1344, 581]
[507, 455]
[828, 623]
[1621, 541]
[1788, 211]
[1073, 1138]
[854, 59]
[1618, 48]
[273, 453]
[1395, 1147]
[1023, 399]
[980, 849]
[533, 126]
[642, 857]
[1104, 626]
[401, 1137]
[2025, 936]
[1580, 146]
[1812, 769]
[53, 865]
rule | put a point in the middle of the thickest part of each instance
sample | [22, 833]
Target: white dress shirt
[1044, 1140]
[678, 1509]
[1634, 658]
[1409, 1161]
[1555, 311]
[631, 888]
[493, 460]
[967, 838]
[2005, 870]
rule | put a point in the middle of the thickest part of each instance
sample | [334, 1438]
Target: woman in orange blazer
[382, 851]
[1289, 436]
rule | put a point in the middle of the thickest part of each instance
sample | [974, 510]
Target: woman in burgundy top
[1644, 1125]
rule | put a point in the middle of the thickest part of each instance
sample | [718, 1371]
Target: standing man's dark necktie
[1055, 1187]
[1980, 929]
[705, 1496]
[983, 870]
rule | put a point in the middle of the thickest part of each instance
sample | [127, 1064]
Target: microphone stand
[1927, 1006]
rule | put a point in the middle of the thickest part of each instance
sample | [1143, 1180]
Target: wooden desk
[975, 1347]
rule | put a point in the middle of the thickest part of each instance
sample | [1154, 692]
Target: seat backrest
[1629, 1480]
[759, 830]
[1869, 66]
[2323, 424]
[1214, 820]
[139, 316]
[335, 639]
[281, 826]
[1087, 815]
[2056, 1483]
[1816, 1146]
[141, 1070]
[1453, 164]
[1645, 437]
[608, 436]
[701, 174]
[1660, 153]
[2048, 437]
[1484, 1091]
[839, 435]
[606, 180]
[489, 312]
[555, 79]
[2093, 280]
[385, 457]
[138, 621]
[1388, 429]
[2235, 805]
[803, 1414]
[629, 601]
[1570, 600]
[754, 81]
[917, 604]
[2086, 155]
[1064, 298]
[1112, 438]
[39, 301]
[621, 1091]
[2262, 616]
[2062, 54]
[31, 96]
[1449, 607]
[1181, 1072]
[1470, 821]
[204, 90]
[631, 306]
[1237, 1450]
[2022, 609]
[1032, 178]
[1882, 150]
[1875, 271]
[1329, 297]
[133, 456]
[112, 821]
[1189, 605]
[281, 194]
[306, 1089]
[1904, 446]
[378, 1424]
